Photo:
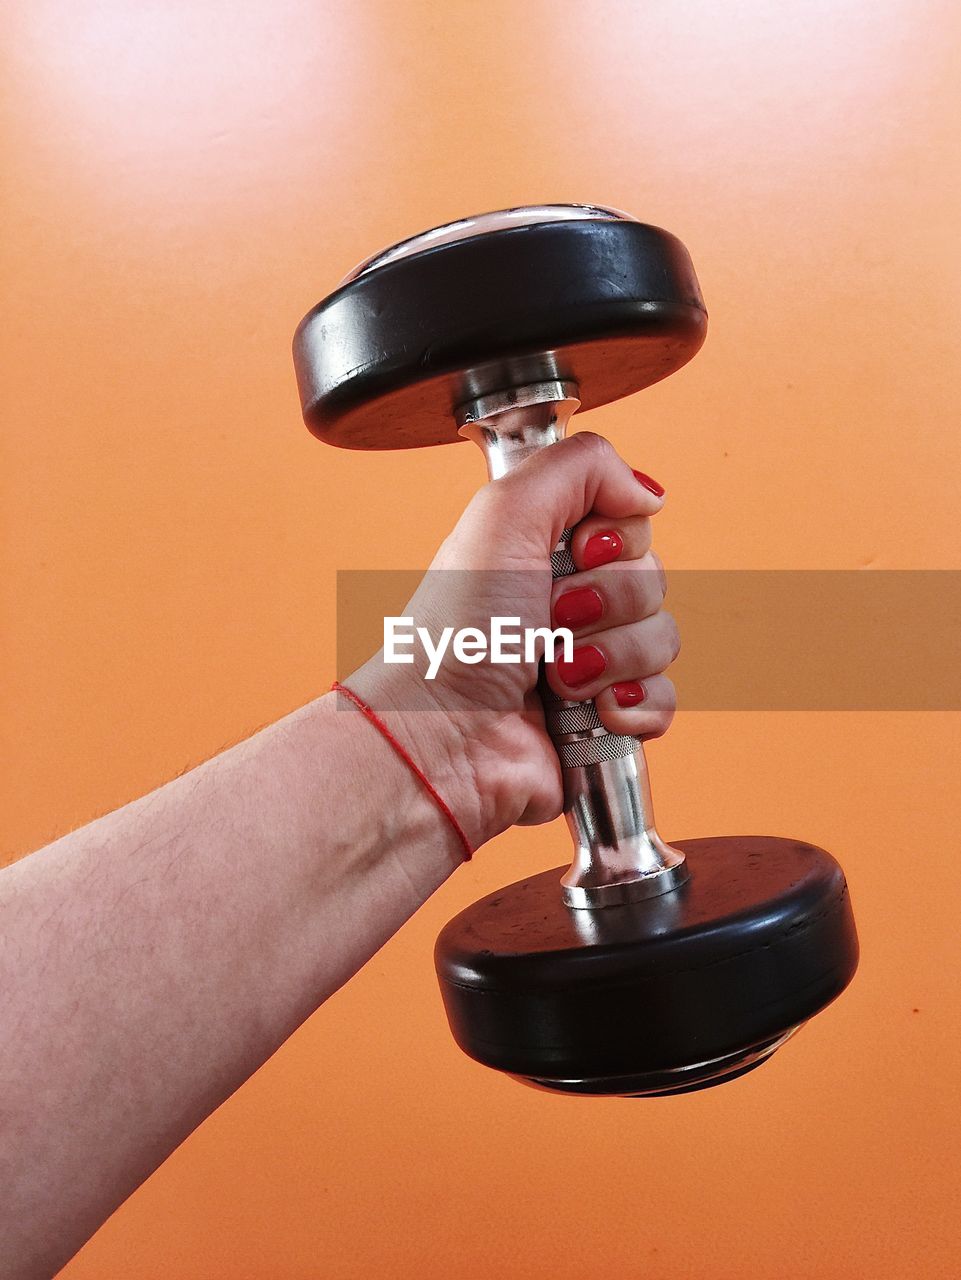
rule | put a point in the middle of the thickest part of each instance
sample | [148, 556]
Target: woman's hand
[478, 730]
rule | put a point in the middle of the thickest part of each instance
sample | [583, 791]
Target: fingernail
[629, 694]
[586, 664]
[578, 608]
[650, 484]
[602, 548]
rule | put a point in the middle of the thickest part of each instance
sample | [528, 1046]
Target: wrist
[437, 740]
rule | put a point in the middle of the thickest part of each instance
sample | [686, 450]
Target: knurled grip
[575, 727]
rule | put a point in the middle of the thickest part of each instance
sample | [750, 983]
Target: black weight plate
[758, 940]
[382, 362]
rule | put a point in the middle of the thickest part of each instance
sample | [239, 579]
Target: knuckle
[499, 503]
[661, 571]
[637, 533]
[668, 696]
[654, 579]
[488, 498]
[672, 636]
[593, 444]
[660, 727]
[666, 707]
[645, 597]
[645, 532]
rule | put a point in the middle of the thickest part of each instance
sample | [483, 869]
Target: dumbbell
[644, 968]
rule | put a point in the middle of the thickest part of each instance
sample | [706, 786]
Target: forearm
[150, 962]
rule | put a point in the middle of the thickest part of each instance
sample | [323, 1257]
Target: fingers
[621, 654]
[612, 603]
[608, 597]
[647, 711]
[599, 540]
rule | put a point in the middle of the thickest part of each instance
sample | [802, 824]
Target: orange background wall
[184, 179]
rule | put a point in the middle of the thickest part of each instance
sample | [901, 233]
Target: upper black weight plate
[383, 361]
[757, 941]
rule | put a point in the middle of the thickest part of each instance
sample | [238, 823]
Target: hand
[478, 730]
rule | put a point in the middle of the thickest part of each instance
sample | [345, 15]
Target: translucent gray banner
[753, 640]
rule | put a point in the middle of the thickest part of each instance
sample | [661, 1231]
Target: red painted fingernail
[602, 548]
[628, 694]
[586, 664]
[578, 608]
[650, 484]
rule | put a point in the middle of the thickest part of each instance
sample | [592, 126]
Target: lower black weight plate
[719, 971]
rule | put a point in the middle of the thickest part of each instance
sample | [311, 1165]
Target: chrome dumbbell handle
[618, 855]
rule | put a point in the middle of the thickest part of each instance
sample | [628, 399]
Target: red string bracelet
[369, 714]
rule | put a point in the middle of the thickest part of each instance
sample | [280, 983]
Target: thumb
[558, 486]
